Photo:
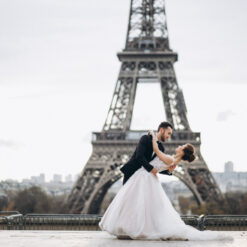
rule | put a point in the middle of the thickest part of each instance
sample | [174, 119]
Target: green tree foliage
[234, 203]
[3, 202]
[35, 200]
[184, 204]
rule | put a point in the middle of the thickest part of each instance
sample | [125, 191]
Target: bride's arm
[167, 159]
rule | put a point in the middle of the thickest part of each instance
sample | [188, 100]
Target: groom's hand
[154, 171]
[171, 168]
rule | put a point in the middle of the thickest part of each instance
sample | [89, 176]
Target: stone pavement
[103, 239]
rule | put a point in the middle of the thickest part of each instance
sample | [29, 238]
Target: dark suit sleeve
[166, 172]
[140, 151]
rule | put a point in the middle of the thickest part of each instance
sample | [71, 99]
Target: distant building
[42, 178]
[57, 178]
[229, 180]
[229, 167]
[54, 187]
[76, 176]
[68, 179]
[36, 179]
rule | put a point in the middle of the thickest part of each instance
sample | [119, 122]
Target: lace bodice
[159, 164]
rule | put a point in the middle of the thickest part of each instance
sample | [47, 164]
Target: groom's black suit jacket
[141, 157]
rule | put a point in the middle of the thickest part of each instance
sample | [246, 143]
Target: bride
[142, 210]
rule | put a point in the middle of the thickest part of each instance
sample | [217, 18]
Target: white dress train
[142, 210]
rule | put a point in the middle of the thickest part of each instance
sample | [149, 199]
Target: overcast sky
[58, 69]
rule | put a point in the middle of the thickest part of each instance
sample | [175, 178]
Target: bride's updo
[189, 153]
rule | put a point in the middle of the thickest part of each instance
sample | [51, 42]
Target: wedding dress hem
[142, 210]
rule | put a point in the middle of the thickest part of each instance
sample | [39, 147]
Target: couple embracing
[141, 208]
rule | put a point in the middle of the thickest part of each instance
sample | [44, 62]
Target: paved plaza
[102, 239]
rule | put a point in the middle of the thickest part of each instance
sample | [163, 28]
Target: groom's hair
[164, 125]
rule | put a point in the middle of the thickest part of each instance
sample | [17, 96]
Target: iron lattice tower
[147, 57]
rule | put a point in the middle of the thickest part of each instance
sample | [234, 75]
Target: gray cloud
[224, 115]
[63, 41]
[7, 143]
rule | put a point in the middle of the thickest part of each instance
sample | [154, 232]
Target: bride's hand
[171, 168]
[154, 172]
[150, 132]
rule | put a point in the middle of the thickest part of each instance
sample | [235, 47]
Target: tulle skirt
[142, 210]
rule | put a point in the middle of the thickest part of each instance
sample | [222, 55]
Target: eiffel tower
[147, 57]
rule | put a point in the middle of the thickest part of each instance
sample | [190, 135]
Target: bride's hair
[189, 153]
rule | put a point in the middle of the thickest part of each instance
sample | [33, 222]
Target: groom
[144, 153]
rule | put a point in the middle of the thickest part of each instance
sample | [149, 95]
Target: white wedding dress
[142, 210]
